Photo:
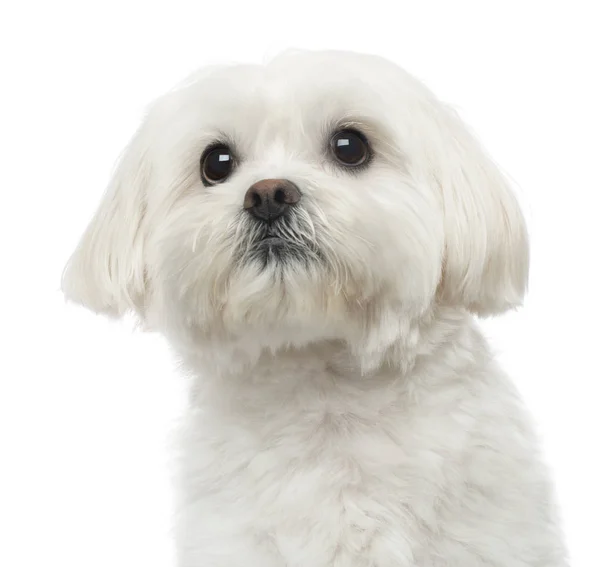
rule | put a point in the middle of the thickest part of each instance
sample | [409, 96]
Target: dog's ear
[106, 273]
[486, 259]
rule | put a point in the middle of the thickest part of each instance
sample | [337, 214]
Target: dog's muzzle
[273, 224]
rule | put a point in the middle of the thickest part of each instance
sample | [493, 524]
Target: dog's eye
[350, 148]
[216, 164]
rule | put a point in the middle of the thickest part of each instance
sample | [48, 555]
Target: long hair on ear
[486, 260]
[106, 273]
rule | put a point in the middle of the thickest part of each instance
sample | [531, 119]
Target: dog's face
[321, 196]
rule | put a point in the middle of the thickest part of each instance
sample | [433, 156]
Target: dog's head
[317, 197]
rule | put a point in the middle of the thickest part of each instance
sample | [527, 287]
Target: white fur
[346, 411]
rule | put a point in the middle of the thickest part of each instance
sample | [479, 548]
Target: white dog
[314, 237]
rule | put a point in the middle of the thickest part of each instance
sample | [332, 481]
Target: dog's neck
[317, 367]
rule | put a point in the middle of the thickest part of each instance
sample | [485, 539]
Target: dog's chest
[323, 474]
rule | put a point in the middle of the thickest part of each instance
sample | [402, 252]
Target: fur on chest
[323, 452]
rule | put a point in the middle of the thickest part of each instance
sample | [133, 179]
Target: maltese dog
[314, 238]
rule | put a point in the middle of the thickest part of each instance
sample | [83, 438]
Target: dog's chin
[280, 294]
[276, 282]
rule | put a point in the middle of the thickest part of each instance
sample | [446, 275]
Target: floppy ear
[486, 259]
[106, 273]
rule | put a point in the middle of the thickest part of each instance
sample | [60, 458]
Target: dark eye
[216, 164]
[350, 148]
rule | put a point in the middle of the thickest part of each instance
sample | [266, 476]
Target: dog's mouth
[283, 242]
[276, 243]
[278, 233]
[273, 247]
[272, 240]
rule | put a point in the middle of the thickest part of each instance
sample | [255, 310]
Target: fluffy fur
[346, 410]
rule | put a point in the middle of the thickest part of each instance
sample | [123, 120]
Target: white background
[86, 405]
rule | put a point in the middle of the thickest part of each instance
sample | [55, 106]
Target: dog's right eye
[216, 164]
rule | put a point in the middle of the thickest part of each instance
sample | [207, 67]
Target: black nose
[268, 199]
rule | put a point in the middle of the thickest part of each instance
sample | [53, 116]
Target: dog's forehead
[310, 87]
[318, 81]
[295, 99]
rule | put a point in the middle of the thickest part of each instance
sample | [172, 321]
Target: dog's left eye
[350, 148]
